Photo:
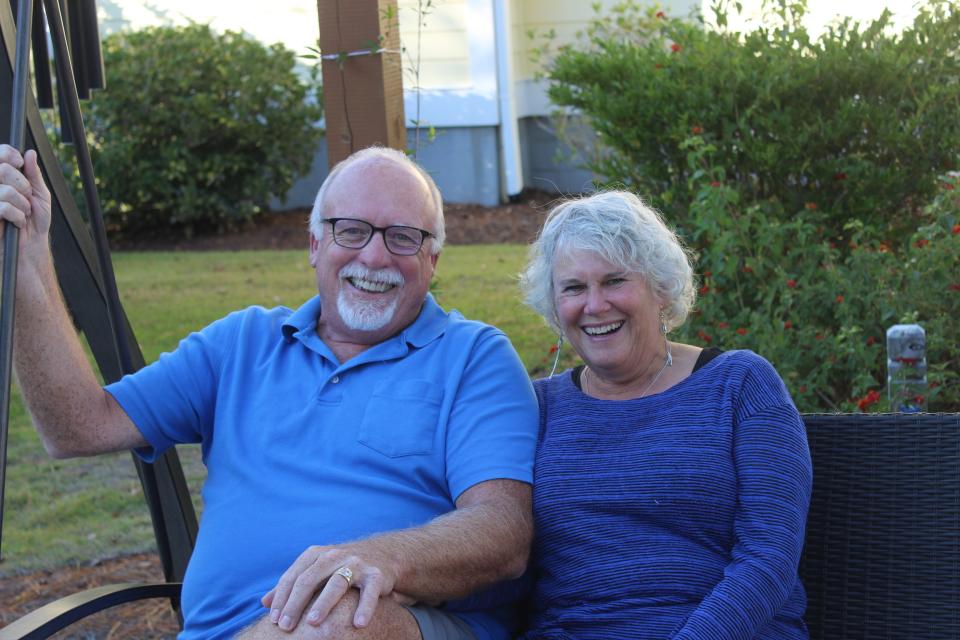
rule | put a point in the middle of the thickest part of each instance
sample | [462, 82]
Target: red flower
[838, 299]
[748, 269]
[661, 14]
[871, 340]
[803, 388]
[791, 283]
[707, 274]
[956, 229]
[742, 331]
[704, 290]
[675, 47]
[722, 325]
[696, 130]
[872, 397]
[787, 325]
[553, 348]
[715, 184]
[819, 336]
[706, 337]
[948, 186]
[658, 66]
[955, 286]
[839, 175]
[921, 243]
[811, 205]
[918, 399]
[884, 248]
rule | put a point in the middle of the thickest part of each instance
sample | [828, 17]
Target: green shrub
[196, 130]
[859, 121]
[778, 282]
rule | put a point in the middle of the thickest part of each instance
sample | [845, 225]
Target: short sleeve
[173, 400]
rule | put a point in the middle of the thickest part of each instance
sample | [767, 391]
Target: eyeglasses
[356, 234]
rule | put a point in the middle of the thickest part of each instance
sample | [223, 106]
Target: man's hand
[24, 198]
[484, 540]
[361, 565]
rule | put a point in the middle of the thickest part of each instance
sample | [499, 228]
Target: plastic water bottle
[907, 368]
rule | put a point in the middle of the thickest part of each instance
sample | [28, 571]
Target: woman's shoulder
[744, 360]
[752, 378]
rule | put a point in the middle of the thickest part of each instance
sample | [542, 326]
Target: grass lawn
[76, 511]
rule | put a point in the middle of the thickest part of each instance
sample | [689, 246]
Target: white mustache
[386, 276]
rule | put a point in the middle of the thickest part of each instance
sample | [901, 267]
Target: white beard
[366, 315]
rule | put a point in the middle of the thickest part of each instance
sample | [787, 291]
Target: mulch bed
[465, 224]
[20, 595]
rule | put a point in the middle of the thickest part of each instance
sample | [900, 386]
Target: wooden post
[362, 93]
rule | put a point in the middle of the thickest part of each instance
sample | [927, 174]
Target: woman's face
[607, 313]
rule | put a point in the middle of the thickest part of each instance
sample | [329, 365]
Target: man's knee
[390, 621]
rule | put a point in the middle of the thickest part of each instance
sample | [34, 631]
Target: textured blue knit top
[680, 515]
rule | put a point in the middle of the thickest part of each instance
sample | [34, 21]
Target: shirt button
[335, 379]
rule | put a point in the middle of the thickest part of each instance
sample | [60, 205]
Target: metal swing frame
[82, 262]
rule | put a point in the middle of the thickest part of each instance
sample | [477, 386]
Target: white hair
[383, 154]
[624, 231]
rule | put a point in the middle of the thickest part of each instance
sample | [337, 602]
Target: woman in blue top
[672, 483]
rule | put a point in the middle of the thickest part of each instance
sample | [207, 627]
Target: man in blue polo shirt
[368, 454]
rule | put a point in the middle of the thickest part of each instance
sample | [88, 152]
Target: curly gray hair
[624, 231]
[382, 154]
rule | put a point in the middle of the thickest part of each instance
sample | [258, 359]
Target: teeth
[607, 328]
[372, 286]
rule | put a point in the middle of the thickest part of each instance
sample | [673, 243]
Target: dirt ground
[465, 224]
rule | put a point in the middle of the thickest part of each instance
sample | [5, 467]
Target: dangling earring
[663, 332]
[556, 360]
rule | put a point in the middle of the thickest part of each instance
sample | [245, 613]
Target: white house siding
[444, 44]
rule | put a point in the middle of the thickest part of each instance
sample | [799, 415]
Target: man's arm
[72, 413]
[485, 540]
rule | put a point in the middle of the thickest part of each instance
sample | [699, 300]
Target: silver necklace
[667, 362]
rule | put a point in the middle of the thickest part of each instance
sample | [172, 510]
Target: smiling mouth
[370, 286]
[603, 330]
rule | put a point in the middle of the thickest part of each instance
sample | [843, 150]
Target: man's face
[368, 295]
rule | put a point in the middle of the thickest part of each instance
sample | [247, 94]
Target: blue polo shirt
[304, 450]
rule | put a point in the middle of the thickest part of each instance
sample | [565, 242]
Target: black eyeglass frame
[374, 229]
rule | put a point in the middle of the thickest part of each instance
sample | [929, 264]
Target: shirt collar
[429, 325]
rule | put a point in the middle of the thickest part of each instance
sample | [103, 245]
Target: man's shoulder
[448, 327]
[456, 321]
[258, 315]
[251, 321]
[462, 332]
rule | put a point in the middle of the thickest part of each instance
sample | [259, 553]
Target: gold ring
[346, 574]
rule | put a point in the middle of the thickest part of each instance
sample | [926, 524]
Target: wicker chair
[882, 554]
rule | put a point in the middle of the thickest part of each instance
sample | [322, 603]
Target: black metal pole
[11, 235]
[69, 98]
[61, 54]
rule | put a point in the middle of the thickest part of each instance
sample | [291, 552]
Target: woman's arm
[774, 478]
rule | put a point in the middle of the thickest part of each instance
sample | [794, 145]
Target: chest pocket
[401, 418]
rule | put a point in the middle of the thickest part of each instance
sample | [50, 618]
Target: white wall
[290, 22]
[458, 81]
